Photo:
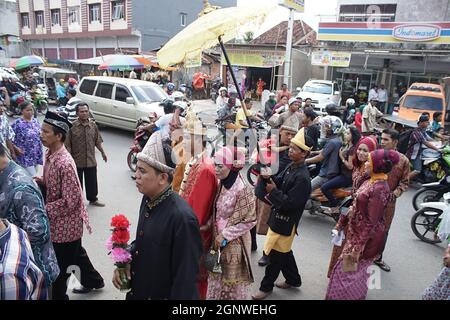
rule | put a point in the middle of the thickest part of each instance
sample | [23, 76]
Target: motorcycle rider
[270, 104]
[416, 140]
[170, 87]
[329, 155]
[13, 89]
[222, 99]
[61, 92]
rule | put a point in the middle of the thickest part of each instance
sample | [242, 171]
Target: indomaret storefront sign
[385, 32]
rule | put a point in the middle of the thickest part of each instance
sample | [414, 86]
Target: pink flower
[120, 256]
[109, 244]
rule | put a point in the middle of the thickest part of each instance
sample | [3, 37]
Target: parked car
[322, 93]
[120, 102]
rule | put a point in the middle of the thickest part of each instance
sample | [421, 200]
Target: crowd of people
[199, 217]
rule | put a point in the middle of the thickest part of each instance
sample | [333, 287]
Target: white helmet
[35, 75]
[350, 102]
[223, 89]
[177, 95]
[180, 104]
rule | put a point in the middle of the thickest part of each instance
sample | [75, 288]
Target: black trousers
[284, 262]
[384, 246]
[73, 258]
[254, 243]
[90, 177]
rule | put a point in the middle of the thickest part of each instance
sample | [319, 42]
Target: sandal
[383, 265]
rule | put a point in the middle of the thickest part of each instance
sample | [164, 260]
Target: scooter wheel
[132, 160]
[425, 195]
[425, 222]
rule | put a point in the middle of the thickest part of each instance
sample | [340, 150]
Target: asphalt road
[414, 264]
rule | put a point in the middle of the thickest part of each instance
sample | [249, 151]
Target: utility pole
[287, 62]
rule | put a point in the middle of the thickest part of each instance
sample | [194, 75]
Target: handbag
[212, 261]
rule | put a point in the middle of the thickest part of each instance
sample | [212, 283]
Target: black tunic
[289, 198]
[166, 251]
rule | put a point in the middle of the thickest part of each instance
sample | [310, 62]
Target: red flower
[120, 236]
[120, 222]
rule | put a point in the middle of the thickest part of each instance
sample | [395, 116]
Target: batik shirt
[22, 204]
[20, 278]
[6, 132]
[27, 138]
[64, 199]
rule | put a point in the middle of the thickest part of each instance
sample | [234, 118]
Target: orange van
[421, 97]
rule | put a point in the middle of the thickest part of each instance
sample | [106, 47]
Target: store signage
[386, 32]
[416, 32]
[331, 58]
[255, 58]
[193, 60]
[297, 5]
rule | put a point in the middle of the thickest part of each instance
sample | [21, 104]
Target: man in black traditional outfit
[288, 192]
[168, 245]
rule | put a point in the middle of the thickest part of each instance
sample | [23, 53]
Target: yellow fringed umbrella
[204, 32]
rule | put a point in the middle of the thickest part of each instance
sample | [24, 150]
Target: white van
[120, 102]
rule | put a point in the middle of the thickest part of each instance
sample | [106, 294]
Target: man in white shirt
[373, 93]
[382, 99]
[370, 115]
[133, 75]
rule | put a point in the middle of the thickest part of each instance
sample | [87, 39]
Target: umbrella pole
[249, 122]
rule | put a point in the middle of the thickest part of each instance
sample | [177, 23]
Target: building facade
[79, 29]
[10, 43]
[392, 42]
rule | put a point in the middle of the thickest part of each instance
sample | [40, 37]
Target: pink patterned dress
[365, 237]
[227, 204]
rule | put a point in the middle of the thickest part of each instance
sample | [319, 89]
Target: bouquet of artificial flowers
[117, 246]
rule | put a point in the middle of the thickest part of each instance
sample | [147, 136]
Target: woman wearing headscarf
[359, 175]
[234, 216]
[366, 230]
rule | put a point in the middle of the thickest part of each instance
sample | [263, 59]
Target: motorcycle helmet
[180, 104]
[177, 96]
[223, 89]
[35, 75]
[72, 82]
[170, 86]
[350, 102]
[332, 122]
[332, 110]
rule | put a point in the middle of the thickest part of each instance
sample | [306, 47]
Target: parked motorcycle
[13, 109]
[431, 192]
[435, 165]
[40, 101]
[140, 139]
[425, 222]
